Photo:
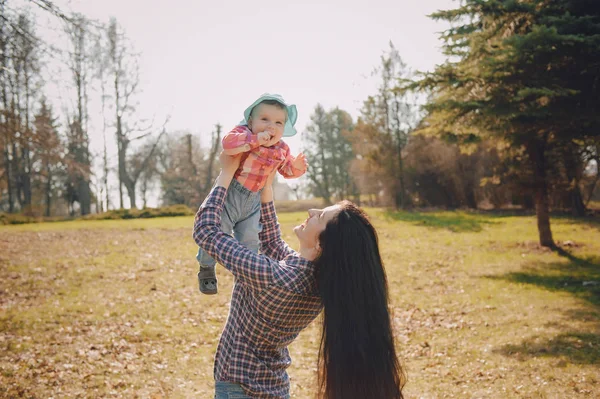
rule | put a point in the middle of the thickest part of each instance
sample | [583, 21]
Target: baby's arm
[241, 139]
[238, 139]
[237, 150]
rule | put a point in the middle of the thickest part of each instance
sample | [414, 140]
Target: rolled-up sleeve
[271, 243]
[239, 136]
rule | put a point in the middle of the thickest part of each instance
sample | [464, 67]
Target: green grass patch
[126, 214]
[458, 221]
[110, 308]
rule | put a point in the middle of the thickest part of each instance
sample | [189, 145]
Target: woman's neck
[309, 253]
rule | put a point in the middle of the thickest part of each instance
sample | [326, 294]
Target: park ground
[110, 309]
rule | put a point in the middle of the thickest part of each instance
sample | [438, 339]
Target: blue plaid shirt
[274, 298]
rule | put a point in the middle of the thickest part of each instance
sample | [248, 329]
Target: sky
[204, 62]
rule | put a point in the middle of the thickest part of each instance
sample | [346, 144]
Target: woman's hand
[229, 164]
[266, 194]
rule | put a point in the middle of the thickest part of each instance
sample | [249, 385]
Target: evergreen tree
[49, 153]
[327, 146]
[523, 72]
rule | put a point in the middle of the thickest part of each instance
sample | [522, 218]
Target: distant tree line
[512, 119]
[47, 167]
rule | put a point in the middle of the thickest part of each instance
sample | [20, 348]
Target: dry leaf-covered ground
[110, 309]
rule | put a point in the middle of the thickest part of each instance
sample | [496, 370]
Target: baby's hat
[292, 113]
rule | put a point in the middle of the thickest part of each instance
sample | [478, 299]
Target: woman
[338, 269]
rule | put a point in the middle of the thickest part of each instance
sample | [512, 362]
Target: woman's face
[308, 232]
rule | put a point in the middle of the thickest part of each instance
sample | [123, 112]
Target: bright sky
[204, 62]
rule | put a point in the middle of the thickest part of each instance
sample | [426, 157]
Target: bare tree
[124, 71]
[20, 80]
[6, 134]
[400, 118]
[102, 65]
[215, 145]
[186, 170]
[80, 65]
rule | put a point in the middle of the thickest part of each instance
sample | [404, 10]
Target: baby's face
[268, 118]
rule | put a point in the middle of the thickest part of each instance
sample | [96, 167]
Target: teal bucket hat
[292, 113]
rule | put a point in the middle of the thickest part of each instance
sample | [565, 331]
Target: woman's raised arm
[247, 266]
[271, 243]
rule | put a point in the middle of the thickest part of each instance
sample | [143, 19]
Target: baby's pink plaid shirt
[259, 162]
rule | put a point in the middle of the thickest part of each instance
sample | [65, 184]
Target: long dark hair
[357, 357]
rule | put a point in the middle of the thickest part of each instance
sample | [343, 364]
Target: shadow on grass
[454, 221]
[578, 347]
[473, 221]
[578, 276]
[591, 221]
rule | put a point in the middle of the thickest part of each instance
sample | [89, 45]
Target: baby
[258, 137]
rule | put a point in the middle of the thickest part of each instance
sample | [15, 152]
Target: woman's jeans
[229, 390]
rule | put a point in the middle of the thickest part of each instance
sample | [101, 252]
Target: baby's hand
[263, 138]
[300, 162]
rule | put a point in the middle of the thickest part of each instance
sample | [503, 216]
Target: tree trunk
[577, 204]
[400, 197]
[121, 206]
[82, 175]
[9, 186]
[216, 141]
[84, 194]
[130, 186]
[528, 202]
[48, 190]
[120, 155]
[470, 197]
[537, 155]
[543, 217]
[324, 186]
[144, 192]
[27, 142]
[574, 172]
[107, 201]
[5, 115]
[124, 179]
[17, 175]
[26, 177]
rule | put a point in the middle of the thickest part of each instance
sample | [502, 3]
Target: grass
[111, 309]
[459, 221]
[146, 213]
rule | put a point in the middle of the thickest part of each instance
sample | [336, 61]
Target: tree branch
[151, 152]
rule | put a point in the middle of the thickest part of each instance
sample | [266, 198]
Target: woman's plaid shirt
[274, 298]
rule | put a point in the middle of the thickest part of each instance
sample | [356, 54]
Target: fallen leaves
[115, 313]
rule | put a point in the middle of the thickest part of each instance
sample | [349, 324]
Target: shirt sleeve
[239, 136]
[271, 243]
[251, 268]
[286, 169]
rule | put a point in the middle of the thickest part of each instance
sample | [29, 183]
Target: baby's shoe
[207, 279]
